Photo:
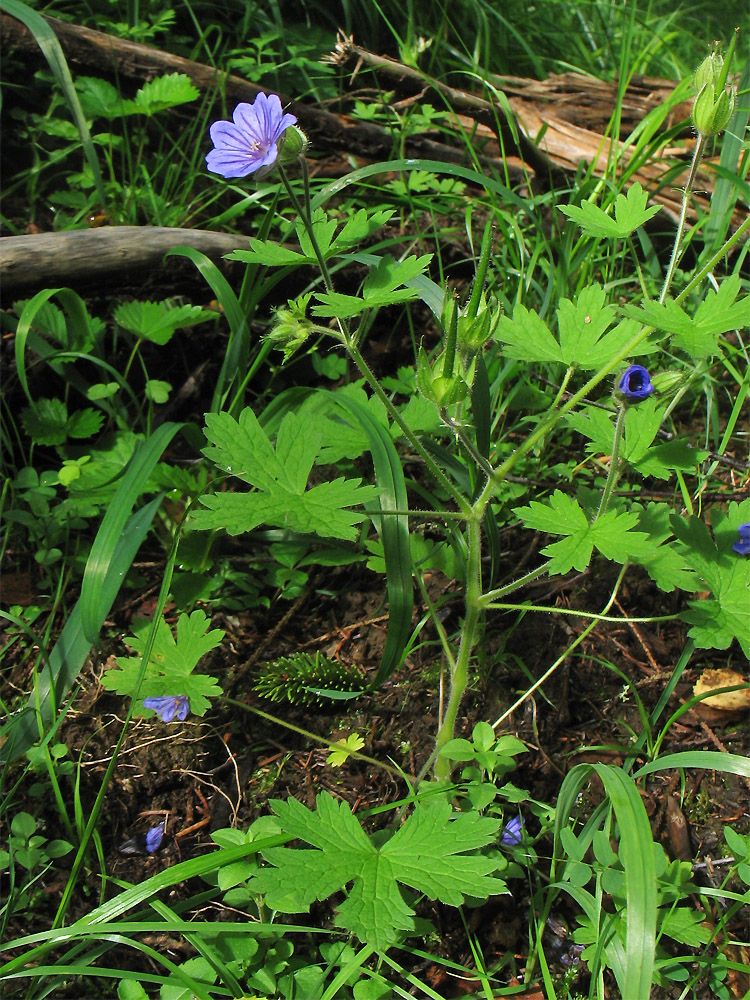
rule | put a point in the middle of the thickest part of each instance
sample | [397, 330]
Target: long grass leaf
[239, 332]
[97, 577]
[394, 532]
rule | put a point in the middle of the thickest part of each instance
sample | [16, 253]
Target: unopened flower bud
[442, 390]
[666, 382]
[292, 145]
[292, 327]
[714, 105]
[473, 331]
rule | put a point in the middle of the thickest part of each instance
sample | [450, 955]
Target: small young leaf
[630, 213]
[165, 92]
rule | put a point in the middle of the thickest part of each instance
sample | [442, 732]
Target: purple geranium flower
[154, 838]
[742, 545]
[250, 140]
[635, 384]
[512, 832]
[169, 706]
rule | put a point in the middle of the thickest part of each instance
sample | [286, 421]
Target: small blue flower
[742, 545]
[635, 384]
[154, 838]
[169, 706]
[512, 832]
[250, 141]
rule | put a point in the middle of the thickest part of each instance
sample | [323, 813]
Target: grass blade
[99, 573]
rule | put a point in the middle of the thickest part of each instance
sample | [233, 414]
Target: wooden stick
[88, 256]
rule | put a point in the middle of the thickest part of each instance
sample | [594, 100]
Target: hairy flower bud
[442, 390]
[714, 105]
[292, 144]
[473, 331]
[292, 327]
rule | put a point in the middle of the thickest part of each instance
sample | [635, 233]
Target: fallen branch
[88, 256]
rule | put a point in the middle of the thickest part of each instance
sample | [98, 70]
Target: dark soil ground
[222, 770]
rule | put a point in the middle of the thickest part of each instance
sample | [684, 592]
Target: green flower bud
[665, 382]
[709, 72]
[292, 327]
[473, 332]
[442, 390]
[292, 144]
[714, 104]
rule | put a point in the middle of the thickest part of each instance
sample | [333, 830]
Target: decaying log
[96, 52]
[570, 112]
[573, 97]
[87, 257]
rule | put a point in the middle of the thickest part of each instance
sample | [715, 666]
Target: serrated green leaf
[165, 92]
[697, 335]
[527, 337]
[426, 853]
[726, 573]
[595, 424]
[85, 423]
[157, 321]
[382, 287]
[358, 228]
[581, 324]
[270, 254]
[173, 660]
[642, 423]
[662, 459]
[243, 450]
[46, 421]
[99, 98]
[612, 534]
[323, 228]
[666, 564]
[630, 213]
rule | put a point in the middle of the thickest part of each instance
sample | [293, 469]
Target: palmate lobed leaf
[630, 213]
[726, 573]
[697, 334]
[242, 449]
[173, 660]
[612, 534]
[426, 853]
[582, 342]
